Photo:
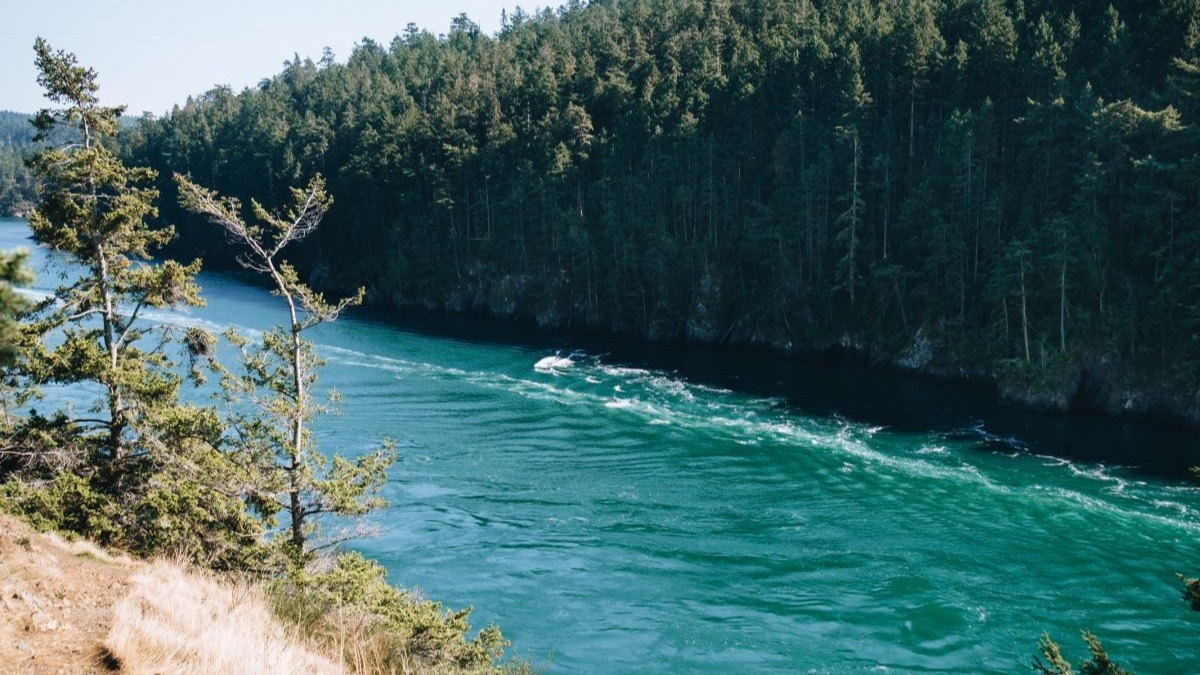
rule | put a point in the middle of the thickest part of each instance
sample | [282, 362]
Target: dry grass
[82, 548]
[180, 621]
[368, 647]
[69, 606]
[365, 647]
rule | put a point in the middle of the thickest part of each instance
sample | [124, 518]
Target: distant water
[622, 510]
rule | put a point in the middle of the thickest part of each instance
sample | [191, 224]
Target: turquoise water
[615, 516]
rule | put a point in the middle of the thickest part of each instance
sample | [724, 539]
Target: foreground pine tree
[127, 462]
[273, 405]
[131, 466]
[280, 372]
[14, 270]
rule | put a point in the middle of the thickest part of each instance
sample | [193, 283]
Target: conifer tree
[14, 270]
[855, 104]
[132, 467]
[94, 209]
[280, 373]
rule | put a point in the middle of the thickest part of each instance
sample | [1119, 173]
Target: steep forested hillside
[994, 188]
[16, 181]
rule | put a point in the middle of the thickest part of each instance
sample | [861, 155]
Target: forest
[1004, 190]
[996, 190]
[17, 183]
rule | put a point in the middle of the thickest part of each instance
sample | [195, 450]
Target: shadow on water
[831, 388]
[837, 388]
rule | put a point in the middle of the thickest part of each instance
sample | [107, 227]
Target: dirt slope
[56, 601]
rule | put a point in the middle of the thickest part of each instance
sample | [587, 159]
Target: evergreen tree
[94, 209]
[1184, 80]
[280, 374]
[13, 271]
[134, 467]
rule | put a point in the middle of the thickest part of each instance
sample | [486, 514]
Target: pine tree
[14, 270]
[855, 106]
[135, 468]
[94, 209]
[1183, 83]
[280, 374]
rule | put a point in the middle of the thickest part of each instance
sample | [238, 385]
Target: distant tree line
[17, 183]
[997, 188]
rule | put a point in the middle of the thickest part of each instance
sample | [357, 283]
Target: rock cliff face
[1095, 382]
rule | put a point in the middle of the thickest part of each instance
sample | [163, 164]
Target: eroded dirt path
[56, 600]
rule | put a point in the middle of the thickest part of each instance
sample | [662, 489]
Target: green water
[618, 516]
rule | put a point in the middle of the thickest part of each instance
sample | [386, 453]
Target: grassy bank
[70, 606]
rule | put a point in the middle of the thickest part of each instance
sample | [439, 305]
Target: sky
[153, 54]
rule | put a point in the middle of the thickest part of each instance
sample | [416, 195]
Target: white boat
[552, 363]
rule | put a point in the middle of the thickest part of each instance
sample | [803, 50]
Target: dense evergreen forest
[996, 189]
[17, 184]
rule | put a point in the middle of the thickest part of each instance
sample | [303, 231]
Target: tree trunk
[116, 425]
[1024, 315]
[851, 267]
[293, 469]
[1062, 306]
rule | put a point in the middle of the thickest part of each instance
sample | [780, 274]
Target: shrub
[347, 605]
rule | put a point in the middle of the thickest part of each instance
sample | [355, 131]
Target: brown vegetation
[73, 608]
[70, 607]
[175, 620]
[57, 599]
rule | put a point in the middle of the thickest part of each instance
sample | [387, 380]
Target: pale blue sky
[152, 54]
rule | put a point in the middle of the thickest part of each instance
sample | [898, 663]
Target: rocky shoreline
[1093, 382]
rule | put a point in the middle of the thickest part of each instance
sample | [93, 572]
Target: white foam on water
[1182, 509]
[552, 364]
[1184, 517]
[187, 319]
[672, 386]
[1050, 460]
[662, 399]
[353, 357]
[623, 372]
